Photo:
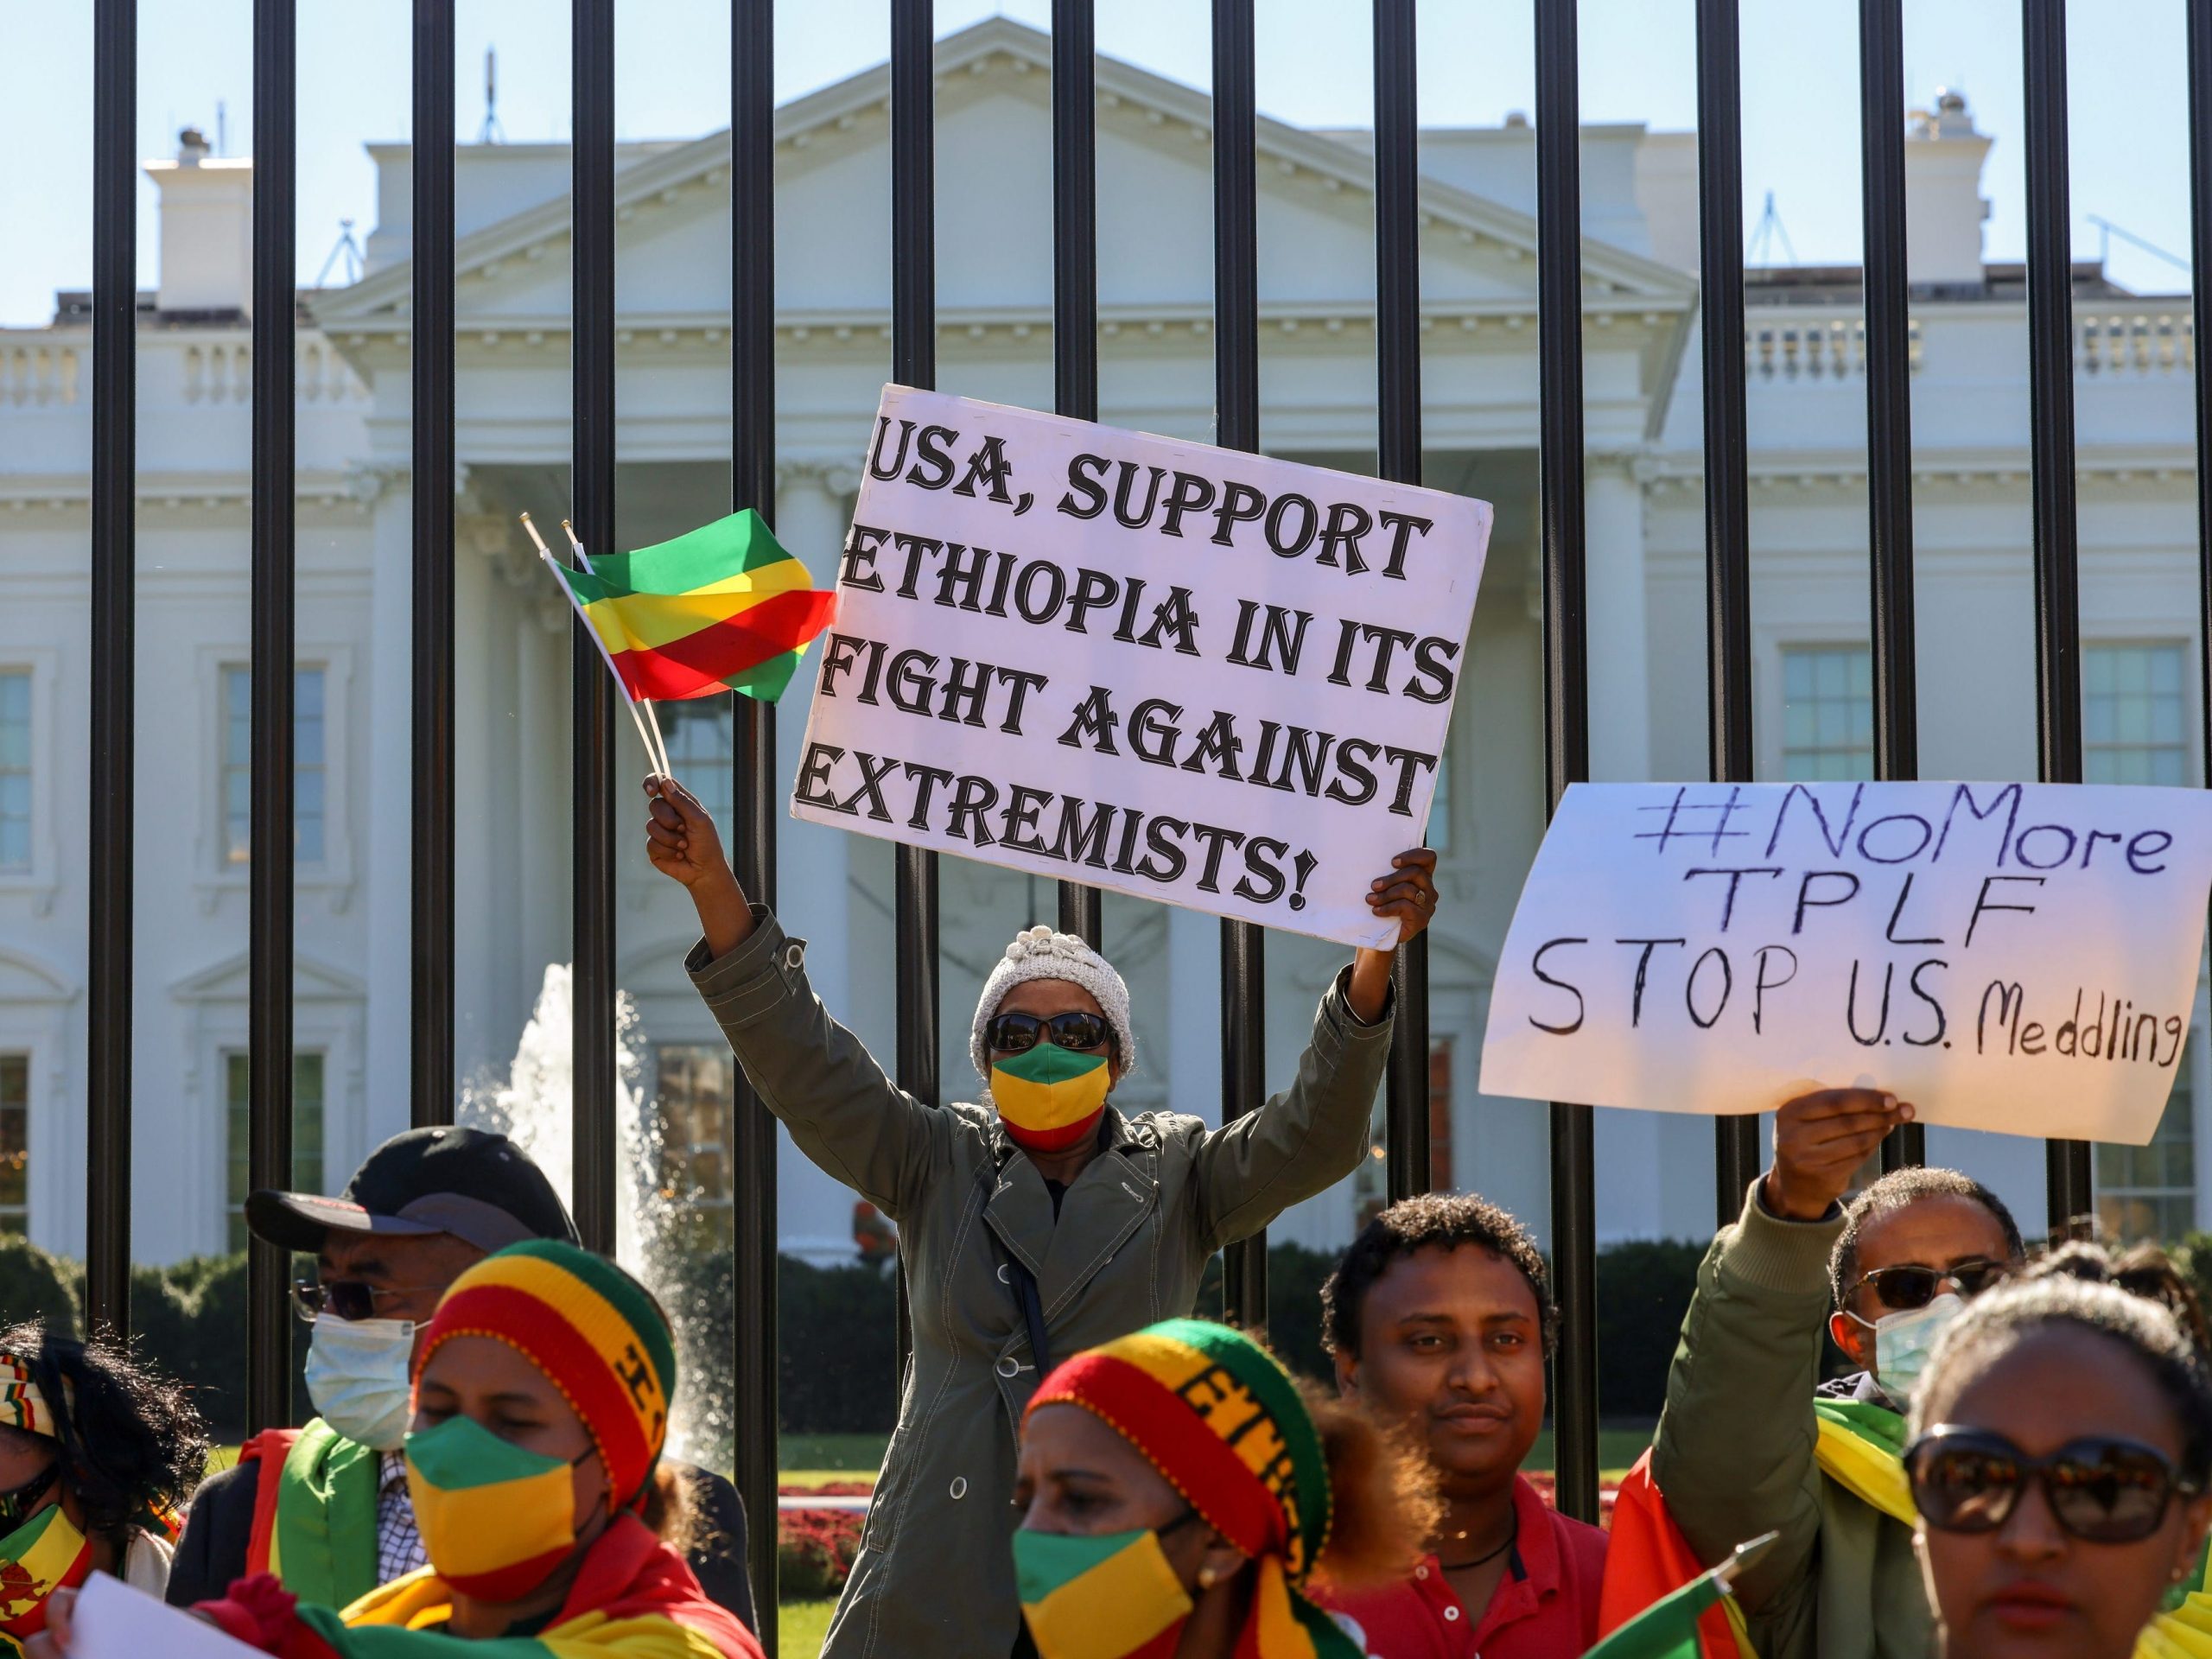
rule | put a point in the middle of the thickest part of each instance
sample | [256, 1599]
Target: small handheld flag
[721, 608]
[1668, 1629]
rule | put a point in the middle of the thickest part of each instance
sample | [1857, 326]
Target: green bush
[1644, 1291]
[36, 1285]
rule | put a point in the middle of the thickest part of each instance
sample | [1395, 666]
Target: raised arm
[1313, 1133]
[1734, 1454]
[818, 1078]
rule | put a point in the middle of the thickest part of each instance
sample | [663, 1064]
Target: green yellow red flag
[721, 608]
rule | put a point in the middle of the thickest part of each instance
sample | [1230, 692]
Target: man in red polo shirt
[1440, 1317]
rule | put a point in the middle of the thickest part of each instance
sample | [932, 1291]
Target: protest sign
[113, 1621]
[1185, 673]
[2013, 957]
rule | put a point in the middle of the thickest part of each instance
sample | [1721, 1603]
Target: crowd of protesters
[2014, 1467]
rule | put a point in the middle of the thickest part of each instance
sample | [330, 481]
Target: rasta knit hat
[1039, 953]
[591, 1328]
[1218, 1416]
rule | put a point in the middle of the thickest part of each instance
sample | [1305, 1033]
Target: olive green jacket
[1733, 1456]
[935, 1573]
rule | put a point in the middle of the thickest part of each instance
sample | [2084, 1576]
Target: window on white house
[2150, 1192]
[307, 1133]
[697, 1121]
[2135, 714]
[14, 1143]
[1827, 712]
[697, 733]
[310, 776]
[15, 769]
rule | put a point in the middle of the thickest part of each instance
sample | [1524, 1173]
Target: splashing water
[533, 1105]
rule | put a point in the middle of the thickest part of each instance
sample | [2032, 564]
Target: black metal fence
[1235, 332]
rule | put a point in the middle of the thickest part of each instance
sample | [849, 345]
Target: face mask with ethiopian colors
[1106, 1597]
[496, 1519]
[1048, 1096]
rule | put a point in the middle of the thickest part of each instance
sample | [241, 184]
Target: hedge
[837, 1332]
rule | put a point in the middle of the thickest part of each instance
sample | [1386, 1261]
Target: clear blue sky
[1801, 139]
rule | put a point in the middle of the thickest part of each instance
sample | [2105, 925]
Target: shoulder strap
[326, 1531]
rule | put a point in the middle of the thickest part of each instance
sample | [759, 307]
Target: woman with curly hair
[98, 1457]
[1183, 1494]
[2061, 1442]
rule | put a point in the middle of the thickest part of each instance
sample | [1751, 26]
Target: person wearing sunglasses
[1034, 1223]
[2061, 1443]
[326, 1507]
[97, 1454]
[1751, 1440]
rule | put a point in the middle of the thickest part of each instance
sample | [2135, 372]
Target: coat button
[1008, 1365]
[959, 1486]
[794, 954]
[1005, 1278]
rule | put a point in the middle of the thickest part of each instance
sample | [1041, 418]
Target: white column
[385, 701]
[813, 882]
[1193, 1013]
[1620, 683]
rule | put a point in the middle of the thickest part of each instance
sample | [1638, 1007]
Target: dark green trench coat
[934, 1579]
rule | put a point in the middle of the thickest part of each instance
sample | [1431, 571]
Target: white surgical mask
[1903, 1341]
[357, 1375]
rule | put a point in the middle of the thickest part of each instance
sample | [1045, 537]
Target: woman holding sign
[1033, 1225]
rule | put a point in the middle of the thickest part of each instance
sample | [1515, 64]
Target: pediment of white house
[993, 238]
[27, 978]
[226, 980]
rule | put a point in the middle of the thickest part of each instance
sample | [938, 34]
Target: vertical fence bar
[913, 363]
[752, 484]
[269, 992]
[1727, 504]
[2050, 466]
[431, 1093]
[1397, 354]
[1237, 426]
[114, 615]
[1566, 702]
[1889, 422]
[1074, 283]
[2200, 245]
[591, 489]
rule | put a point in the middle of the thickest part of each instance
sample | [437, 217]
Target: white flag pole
[554, 564]
[653, 719]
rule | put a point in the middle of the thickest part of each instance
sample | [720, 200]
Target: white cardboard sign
[113, 1621]
[2013, 957]
[1185, 673]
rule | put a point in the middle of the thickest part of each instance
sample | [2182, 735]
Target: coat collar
[1102, 1206]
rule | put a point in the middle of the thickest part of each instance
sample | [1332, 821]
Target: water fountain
[532, 1105]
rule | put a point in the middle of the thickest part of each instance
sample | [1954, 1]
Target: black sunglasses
[2102, 1488]
[350, 1299]
[17, 1503]
[1017, 1034]
[1901, 1289]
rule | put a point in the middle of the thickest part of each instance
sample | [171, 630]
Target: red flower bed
[814, 1550]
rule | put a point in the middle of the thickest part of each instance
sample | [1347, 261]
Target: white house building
[833, 262]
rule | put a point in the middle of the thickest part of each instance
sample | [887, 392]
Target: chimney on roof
[207, 237]
[1944, 208]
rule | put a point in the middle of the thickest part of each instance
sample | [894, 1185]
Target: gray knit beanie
[1039, 953]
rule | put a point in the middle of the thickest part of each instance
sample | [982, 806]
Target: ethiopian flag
[1668, 1628]
[721, 608]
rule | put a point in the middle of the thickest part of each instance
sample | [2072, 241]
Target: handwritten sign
[1185, 673]
[2012, 956]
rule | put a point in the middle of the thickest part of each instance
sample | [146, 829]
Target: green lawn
[815, 1459]
[801, 1624]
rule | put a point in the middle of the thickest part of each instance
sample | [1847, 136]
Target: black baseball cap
[468, 1183]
